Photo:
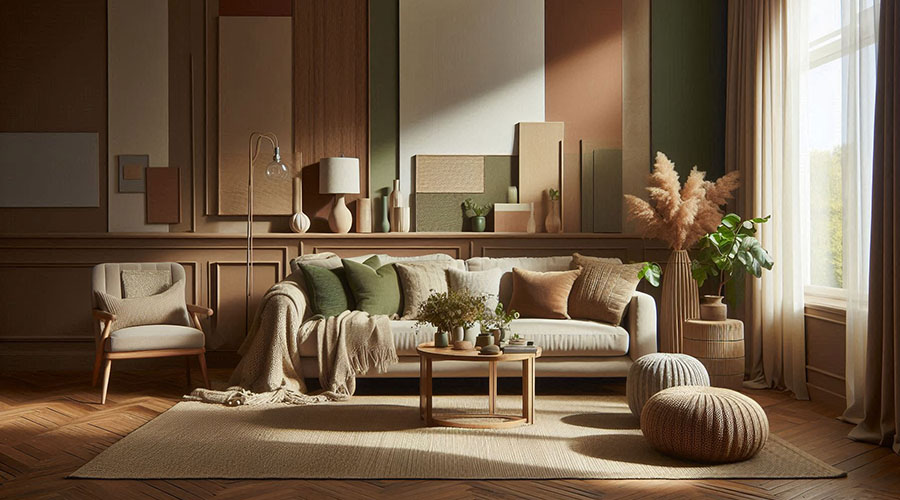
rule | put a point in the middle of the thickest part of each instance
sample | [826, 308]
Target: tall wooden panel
[540, 167]
[583, 70]
[331, 93]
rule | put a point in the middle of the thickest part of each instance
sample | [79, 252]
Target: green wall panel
[384, 98]
[687, 83]
[436, 212]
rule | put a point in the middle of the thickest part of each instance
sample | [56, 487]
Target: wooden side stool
[719, 345]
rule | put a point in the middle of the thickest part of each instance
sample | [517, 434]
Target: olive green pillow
[329, 293]
[376, 291]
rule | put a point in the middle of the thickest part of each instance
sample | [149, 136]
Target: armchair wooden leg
[106, 369]
[202, 358]
[98, 362]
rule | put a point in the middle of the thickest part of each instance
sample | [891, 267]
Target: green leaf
[761, 220]
[650, 272]
[731, 221]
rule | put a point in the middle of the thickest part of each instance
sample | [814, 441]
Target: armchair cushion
[151, 337]
[136, 284]
[163, 308]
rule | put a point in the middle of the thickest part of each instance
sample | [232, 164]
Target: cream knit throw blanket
[348, 345]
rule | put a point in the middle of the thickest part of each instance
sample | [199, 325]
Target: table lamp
[339, 176]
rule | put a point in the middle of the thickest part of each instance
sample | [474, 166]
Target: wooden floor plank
[51, 424]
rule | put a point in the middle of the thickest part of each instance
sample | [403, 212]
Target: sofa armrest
[641, 323]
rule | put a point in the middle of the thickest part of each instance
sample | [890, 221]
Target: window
[841, 60]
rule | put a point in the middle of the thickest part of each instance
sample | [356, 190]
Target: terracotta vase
[712, 308]
[552, 221]
[680, 301]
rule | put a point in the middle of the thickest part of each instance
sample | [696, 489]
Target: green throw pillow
[377, 291]
[329, 293]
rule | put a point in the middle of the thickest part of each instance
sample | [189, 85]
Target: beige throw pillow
[136, 284]
[542, 295]
[419, 280]
[485, 283]
[167, 308]
[603, 290]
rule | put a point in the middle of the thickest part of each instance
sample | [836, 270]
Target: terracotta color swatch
[163, 196]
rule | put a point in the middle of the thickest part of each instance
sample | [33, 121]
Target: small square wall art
[132, 176]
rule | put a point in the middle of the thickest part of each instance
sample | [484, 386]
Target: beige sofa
[571, 348]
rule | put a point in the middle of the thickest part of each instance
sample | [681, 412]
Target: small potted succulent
[497, 323]
[477, 214]
[451, 312]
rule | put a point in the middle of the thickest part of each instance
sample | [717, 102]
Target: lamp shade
[339, 175]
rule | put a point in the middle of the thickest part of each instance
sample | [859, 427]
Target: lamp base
[340, 219]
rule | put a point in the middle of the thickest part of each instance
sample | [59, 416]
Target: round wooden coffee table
[490, 420]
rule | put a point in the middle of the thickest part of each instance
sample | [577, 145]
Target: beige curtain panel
[762, 142]
[881, 421]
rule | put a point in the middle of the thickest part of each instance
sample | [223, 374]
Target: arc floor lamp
[276, 170]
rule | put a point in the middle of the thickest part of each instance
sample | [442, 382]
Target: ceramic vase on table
[299, 221]
[441, 339]
[552, 221]
[680, 301]
[712, 308]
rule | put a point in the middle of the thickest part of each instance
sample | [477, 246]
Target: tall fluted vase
[680, 301]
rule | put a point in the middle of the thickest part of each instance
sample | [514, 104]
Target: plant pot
[712, 308]
[478, 224]
[441, 339]
[680, 300]
[484, 339]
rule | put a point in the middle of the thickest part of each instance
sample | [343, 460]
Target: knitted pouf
[704, 424]
[654, 372]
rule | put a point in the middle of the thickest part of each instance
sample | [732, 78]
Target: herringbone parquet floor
[50, 424]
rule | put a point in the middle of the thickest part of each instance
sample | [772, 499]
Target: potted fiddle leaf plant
[477, 213]
[451, 313]
[730, 250]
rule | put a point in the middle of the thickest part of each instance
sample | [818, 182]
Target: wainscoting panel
[825, 355]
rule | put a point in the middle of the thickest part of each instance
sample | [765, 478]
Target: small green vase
[441, 339]
[478, 224]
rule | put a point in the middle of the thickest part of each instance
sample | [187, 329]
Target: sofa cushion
[485, 283]
[603, 289]
[150, 337]
[542, 264]
[542, 295]
[418, 280]
[571, 337]
[144, 283]
[328, 291]
[376, 291]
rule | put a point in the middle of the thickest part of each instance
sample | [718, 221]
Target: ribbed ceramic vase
[680, 301]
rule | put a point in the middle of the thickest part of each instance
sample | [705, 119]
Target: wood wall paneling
[688, 47]
[584, 81]
[254, 95]
[53, 79]
[138, 94]
[331, 94]
[826, 355]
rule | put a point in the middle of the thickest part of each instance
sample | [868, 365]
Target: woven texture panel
[705, 424]
[655, 372]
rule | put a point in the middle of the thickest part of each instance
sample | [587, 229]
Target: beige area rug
[382, 437]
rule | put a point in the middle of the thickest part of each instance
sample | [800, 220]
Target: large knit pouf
[705, 424]
[652, 373]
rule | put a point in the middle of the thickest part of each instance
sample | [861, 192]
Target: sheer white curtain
[859, 24]
[767, 63]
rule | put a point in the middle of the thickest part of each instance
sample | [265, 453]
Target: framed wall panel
[540, 167]
[255, 94]
[49, 170]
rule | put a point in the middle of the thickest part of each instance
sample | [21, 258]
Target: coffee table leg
[492, 383]
[422, 387]
[528, 390]
[428, 392]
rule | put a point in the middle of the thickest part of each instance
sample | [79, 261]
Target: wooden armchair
[145, 341]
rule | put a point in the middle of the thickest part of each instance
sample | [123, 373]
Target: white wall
[138, 88]
[469, 71]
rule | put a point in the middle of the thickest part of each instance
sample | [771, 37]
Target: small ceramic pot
[441, 339]
[463, 345]
[712, 308]
[484, 339]
[459, 333]
[478, 224]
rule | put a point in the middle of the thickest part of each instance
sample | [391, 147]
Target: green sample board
[443, 212]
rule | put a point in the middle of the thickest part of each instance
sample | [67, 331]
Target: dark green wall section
[384, 97]
[687, 83]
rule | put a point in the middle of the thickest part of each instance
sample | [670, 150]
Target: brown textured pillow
[165, 308]
[542, 295]
[418, 281]
[603, 289]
